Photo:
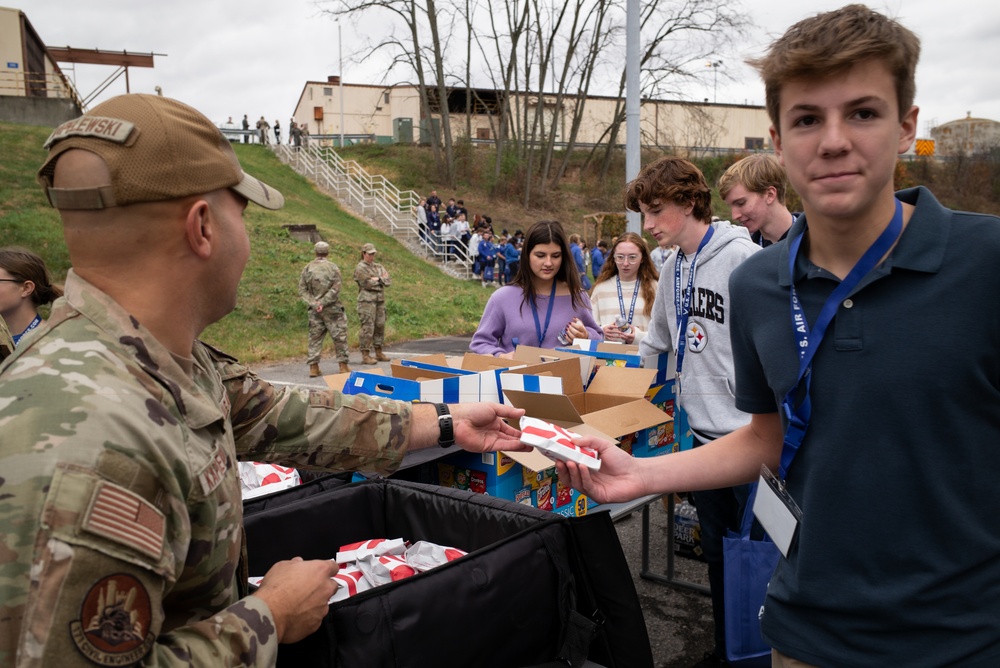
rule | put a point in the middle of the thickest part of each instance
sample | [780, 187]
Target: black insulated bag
[535, 588]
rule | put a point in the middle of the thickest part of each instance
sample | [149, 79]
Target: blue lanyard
[621, 302]
[34, 323]
[683, 305]
[808, 343]
[548, 316]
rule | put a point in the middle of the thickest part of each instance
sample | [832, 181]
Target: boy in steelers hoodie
[693, 299]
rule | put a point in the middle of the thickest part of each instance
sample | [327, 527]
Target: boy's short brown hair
[756, 173]
[835, 41]
[671, 179]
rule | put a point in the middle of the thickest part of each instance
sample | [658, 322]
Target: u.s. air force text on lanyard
[774, 507]
[682, 303]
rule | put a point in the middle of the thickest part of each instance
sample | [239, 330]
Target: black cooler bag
[535, 587]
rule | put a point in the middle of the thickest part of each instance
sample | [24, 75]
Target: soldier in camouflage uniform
[6, 341]
[319, 288]
[372, 279]
[121, 535]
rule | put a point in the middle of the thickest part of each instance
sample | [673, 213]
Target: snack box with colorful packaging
[499, 475]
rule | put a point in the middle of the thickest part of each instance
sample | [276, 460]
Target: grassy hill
[269, 322]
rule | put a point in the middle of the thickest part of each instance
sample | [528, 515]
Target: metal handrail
[374, 196]
[16, 83]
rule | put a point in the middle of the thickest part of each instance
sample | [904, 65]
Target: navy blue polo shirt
[897, 560]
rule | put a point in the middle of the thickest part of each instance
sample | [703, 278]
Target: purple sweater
[505, 321]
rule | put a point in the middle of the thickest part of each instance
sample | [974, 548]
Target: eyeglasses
[11, 280]
[632, 259]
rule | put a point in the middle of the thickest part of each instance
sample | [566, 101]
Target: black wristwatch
[447, 437]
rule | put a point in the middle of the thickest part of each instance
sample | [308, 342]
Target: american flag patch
[126, 518]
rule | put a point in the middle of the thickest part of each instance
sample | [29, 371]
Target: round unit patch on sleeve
[114, 624]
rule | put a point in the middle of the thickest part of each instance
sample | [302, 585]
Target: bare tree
[442, 88]
[600, 36]
[531, 42]
[679, 35]
[414, 14]
[593, 24]
[545, 34]
[505, 49]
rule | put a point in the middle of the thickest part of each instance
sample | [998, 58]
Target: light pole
[715, 85]
[340, 82]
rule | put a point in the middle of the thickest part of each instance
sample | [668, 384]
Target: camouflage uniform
[6, 341]
[320, 282]
[120, 509]
[371, 279]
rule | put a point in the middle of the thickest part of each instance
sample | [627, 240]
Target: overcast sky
[252, 57]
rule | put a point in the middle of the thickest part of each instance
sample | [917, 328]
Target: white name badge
[776, 510]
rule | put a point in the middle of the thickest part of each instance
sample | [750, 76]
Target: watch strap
[446, 425]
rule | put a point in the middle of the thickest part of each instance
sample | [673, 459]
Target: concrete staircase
[372, 198]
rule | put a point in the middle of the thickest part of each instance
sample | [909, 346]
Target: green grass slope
[269, 323]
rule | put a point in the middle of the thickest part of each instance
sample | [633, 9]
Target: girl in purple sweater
[544, 300]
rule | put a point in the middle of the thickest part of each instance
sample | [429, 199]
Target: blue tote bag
[748, 566]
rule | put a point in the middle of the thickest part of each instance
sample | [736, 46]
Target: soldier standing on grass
[319, 288]
[372, 278]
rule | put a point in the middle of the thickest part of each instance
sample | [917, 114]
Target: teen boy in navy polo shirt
[896, 557]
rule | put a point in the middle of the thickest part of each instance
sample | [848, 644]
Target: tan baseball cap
[368, 248]
[322, 248]
[156, 149]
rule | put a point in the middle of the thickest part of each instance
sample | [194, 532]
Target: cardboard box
[476, 385]
[553, 377]
[532, 355]
[607, 353]
[426, 378]
[498, 474]
[420, 385]
[614, 404]
[662, 395]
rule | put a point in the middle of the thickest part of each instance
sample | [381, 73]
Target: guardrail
[376, 197]
[16, 83]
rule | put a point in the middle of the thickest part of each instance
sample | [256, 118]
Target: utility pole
[632, 107]
[715, 86]
[340, 82]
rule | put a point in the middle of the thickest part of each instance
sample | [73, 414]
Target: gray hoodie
[707, 377]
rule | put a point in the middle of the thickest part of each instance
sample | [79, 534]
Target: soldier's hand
[297, 593]
[481, 427]
[319, 307]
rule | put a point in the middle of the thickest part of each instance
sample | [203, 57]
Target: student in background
[623, 293]
[754, 188]
[543, 304]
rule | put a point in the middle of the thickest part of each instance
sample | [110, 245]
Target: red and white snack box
[255, 580]
[350, 581]
[257, 479]
[373, 547]
[386, 568]
[424, 555]
[557, 443]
